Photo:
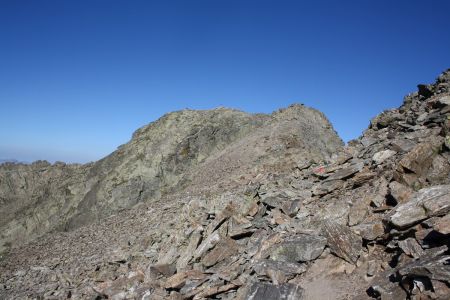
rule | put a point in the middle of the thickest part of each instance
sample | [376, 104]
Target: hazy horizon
[79, 77]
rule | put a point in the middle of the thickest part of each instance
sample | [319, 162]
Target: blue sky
[78, 77]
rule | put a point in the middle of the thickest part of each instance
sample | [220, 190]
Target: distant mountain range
[8, 160]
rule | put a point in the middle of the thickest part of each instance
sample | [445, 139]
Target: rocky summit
[221, 204]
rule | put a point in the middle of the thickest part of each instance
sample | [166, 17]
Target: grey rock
[423, 204]
[432, 265]
[299, 249]
[369, 231]
[264, 291]
[411, 247]
[345, 173]
[402, 145]
[381, 156]
[278, 271]
[327, 187]
[400, 192]
[342, 241]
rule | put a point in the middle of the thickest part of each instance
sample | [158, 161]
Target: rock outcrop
[196, 149]
[270, 214]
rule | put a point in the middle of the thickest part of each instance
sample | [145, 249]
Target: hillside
[185, 149]
[221, 204]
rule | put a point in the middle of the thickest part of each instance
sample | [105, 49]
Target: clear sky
[78, 77]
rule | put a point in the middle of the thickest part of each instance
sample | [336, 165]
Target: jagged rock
[263, 291]
[369, 231]
[411, 247]
[346, 172]
[278, 271]
[381, 156]
[402, 145]
[224, 249]
[359, 209]
[342, 241]
[327, 187]
[439, 170]
[275, 200]
[400, 192]
[178, 280]
[444, 101]
[442, 225]
[380, 191]
[415, 164]
[431, 264]
[299, 249]
[425, 203]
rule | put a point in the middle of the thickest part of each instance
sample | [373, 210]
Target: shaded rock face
[274, 214]
[183, 149]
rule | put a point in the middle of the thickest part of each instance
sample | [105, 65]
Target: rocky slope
[282, 211]
[194, 149]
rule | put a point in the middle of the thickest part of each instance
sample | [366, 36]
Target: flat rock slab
[346, 172]
[411, 247]
[265, 291]
[278, 271]
[301, 248]
[425, 203]
[342, 241]
[432, 265]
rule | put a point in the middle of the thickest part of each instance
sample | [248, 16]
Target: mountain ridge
[155, 159]
[284, 212]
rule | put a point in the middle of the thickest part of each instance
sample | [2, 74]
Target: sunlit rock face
[199, 150]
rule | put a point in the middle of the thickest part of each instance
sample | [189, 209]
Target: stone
[379, 192]
[345, 173]
[301, 248]
[278, 271]
[264, 291]
[327, 187]
[372, 267]
[207, 244]
[275, 199]
[291, 208]
[415, 163]
[342, 241]
[423, 204]
[381, 156]
[411, 247]
[224, 249]
[163, 270]
[388, 291]
[369, 231]
[239, 228]
[442, 225]
[359, 209]
[431, 264]
[214, 290]
[178, 280]
[187, 254]
[401, 193]
[402, 145]
[439, 170]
